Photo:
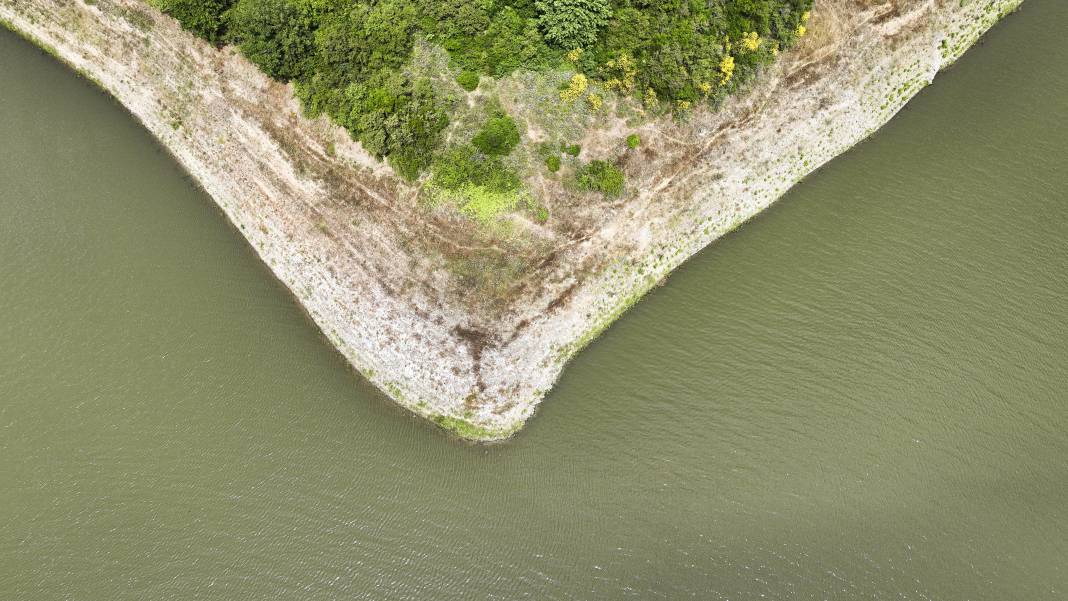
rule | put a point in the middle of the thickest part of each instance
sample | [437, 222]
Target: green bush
[600, 176]
[468, 80]
[678, 53]
[571, 149]
[498, 136]
[633, 141]
[553, 163]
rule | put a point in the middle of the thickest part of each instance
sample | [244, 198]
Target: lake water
[861, 394]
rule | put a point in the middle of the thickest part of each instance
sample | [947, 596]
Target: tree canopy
[572, 23]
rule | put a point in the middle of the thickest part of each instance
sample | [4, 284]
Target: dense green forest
[348, 60]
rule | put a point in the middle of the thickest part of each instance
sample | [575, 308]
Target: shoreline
[418, 348]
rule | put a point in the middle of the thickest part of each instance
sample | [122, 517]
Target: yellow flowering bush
[751, 41]
[623, 72]
[726, 69]
[575, 89]
[801, 29]
[650, 98]
[595, 101]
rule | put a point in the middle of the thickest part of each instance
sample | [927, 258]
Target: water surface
[861, 394]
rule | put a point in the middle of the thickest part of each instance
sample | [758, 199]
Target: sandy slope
[378, 273]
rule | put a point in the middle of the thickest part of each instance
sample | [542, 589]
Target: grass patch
[600, 176]
[482, 204]
[552, 164]
[471, 431]
[479, 184]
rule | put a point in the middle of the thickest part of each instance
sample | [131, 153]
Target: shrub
[463, 165]
[571, 149]
[498, 136]
[633, 141]
[575, 88]
[468, 80]
[600, 176]
[455, 167]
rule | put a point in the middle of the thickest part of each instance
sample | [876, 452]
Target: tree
[513, 43]
[274, 34]
[388, 32]
[572, 23]
[459, 19]
[395, 117]
[202, 17]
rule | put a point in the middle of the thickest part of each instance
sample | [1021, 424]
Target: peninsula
[465, 207]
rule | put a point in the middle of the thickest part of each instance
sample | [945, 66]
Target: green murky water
[862, 394]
